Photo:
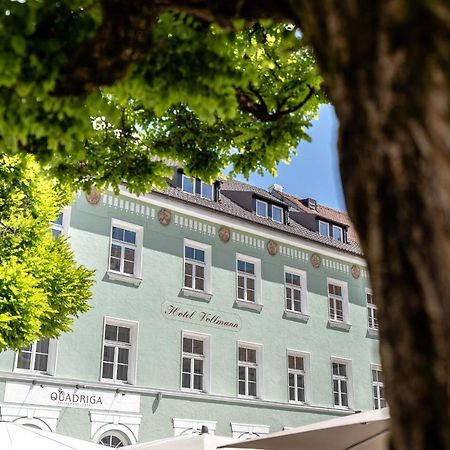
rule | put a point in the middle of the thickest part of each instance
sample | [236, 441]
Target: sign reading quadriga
[71, 397]
[202, 316]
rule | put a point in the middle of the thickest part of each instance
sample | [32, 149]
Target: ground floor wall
[93, 413]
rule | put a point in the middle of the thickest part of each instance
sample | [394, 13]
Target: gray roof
[230, 208]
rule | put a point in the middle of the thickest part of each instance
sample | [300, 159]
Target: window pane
[252, 389]
[130, 236]
[251, 374]
[108, 354]
[251, 355]
[24, 359]
[123, 356]
[122, 372]
[299, 363]
[323, 229]
[59, 219]
[111, 332]
[189, 252]
[187, 345]
[251, 284]
[277, 214]
[288, 277]
[241, 294]
[40, 362]
[56, 233]
[188, 184]
[291, 362]
[249, 267]
[117, 233]
[241, 265]
[291, 379]
[114, 264]
[116, 251]
[199, 255]
[242, 354]
[261, 208]
[344, 399]
[250, 296]
[207, 191]
[241, 388]
[42, 346]
[198, 366]
[186, 381]
[129, 254]
[124, 334]
[337, 233]
[241, 373]
[335, 369]
[296, 280]
[199, 284]
[186, 365]
[291, 393]
[128, 267]
[107, 370]
[198, 382]
[198, 347]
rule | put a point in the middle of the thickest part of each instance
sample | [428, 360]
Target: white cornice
[222, 218]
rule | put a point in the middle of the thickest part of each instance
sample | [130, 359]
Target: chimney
[276, 187]
[310, 203]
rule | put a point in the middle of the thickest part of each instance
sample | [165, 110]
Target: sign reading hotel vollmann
[201, 316]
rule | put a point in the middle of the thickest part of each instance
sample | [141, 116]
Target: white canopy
[188, 442]
[18, 437]
[360, 431]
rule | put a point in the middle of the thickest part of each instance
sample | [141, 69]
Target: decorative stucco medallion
[272, 247]
[315, 260]
[224, 234]
[356, 271]
[164, 216]
[94, 196]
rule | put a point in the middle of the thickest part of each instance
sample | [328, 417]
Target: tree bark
[387, 68]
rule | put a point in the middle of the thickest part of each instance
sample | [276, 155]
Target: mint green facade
[156, 390]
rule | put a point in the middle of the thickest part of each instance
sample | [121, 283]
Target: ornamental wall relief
[164, 216]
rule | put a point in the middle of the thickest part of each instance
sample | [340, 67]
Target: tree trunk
[387, 68]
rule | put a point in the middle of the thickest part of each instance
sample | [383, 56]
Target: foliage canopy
[41, 287]
[203, 97]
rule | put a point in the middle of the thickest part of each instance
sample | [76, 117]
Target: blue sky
[314, 172]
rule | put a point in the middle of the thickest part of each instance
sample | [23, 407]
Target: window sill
[114, 276]
[200, 295]
[343, 408]
[248, 305]
[295, 402]
[337, 325]
[372, 332]
[299, 316]
[248, 397]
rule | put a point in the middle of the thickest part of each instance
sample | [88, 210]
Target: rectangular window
[379, 400]
[297, 378]
[126, 248]
[37, 357]
[207, 191]
[119, 342]
[188, 184]
[194, 362]
[248, 370]
[197, 267]
[246, 281]
[293, 291]
[336, 302]
[372, 316]
[277, 214]
[194, 268]
[324, 228]
[341, 383]
[261, 208]
[338, 234]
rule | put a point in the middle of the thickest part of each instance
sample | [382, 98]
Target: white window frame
[349, 377]
[377, 385]
[138, 247]
[206, 294]
[263, 203]
[342, 232]
[345, 323]
[328, 228]
[304, 314]
[193, 184]
[206, 339]
[371, 313]
[64, 227]
[306, 374]
[201, 190]
[282, 214]
[259, 368]
[51, 361]
[132, 363]
[257, 304]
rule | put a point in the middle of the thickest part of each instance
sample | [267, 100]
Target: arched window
[114, 439]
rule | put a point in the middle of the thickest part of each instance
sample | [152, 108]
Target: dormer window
[261, 208]
[324, 228]
[277, 214]
[188, 185]
[334, 231]
[194, 186]
[206, 190]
